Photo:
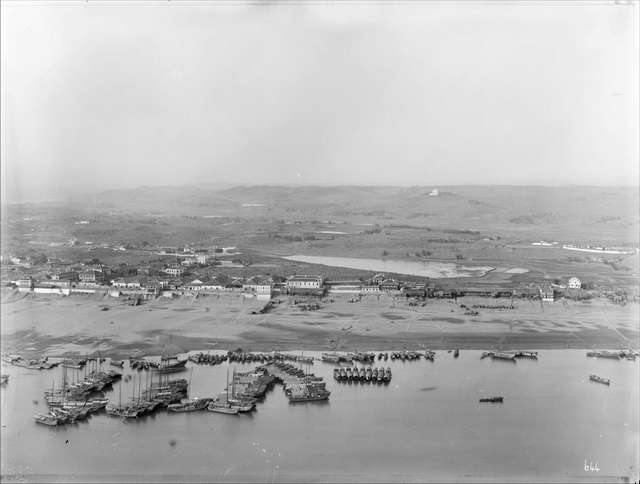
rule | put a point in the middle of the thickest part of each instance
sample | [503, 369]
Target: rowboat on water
[599, 379]
[530, 354]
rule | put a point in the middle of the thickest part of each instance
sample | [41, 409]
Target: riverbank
[84, 325]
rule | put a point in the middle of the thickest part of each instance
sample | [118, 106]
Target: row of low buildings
[92, 281]
[97, 279]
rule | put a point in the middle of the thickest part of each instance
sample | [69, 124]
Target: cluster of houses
[148, 284]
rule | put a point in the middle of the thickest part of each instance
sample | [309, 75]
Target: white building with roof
[574, 283]
[304, 282]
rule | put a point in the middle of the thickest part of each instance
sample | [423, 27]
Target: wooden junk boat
[169, 367]
[306, 392]
[46, 419]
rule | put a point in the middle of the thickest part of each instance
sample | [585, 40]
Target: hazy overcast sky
[122, 94]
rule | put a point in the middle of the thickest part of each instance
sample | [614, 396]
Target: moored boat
[168, 367]
[305, 392]
[222, 407]
[504, 356]
[367, 375]
[46, 419]
[606, 354]
[122, 411]
[330, 357]
[30, 363]
[76, 364]
[530, 354]
[387, 375]
[4, 379]
[599, 379]
[189, 406]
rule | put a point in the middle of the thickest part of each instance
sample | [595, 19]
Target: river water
[426, 268]
[425, 425]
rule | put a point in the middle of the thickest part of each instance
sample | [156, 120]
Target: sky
[98, 95]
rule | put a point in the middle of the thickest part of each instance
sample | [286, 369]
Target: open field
[76, 325]
[471, 224]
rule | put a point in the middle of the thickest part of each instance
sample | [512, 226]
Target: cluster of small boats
[207, 358]
[239, 356]
[368, 374]
[166, 365]
[61, 416]
[336, 358]
[73, 401]
[368, 357]
[412, 355]
[628, 354]
[245, 391]
[161, 394]
[4, 379]
[78, 394]
[277, 356]
[30, 363]
[74, 363]
[298, 385]
[241, 395]
[509, 355]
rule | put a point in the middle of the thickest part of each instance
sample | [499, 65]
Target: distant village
[197, 272]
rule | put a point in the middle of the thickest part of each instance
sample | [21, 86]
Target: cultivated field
[475, 225]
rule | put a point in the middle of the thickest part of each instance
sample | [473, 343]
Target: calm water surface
[432, 269]
[425, 425]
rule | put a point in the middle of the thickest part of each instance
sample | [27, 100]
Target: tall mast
[227, 386]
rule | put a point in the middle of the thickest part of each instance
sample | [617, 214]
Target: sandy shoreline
[77, 326]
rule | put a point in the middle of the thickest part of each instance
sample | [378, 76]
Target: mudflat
[79, 325]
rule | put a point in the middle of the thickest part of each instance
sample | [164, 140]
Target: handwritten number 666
[590, 467]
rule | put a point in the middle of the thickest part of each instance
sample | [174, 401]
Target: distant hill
[477, 205]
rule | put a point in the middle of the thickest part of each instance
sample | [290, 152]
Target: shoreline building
[306, 285]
